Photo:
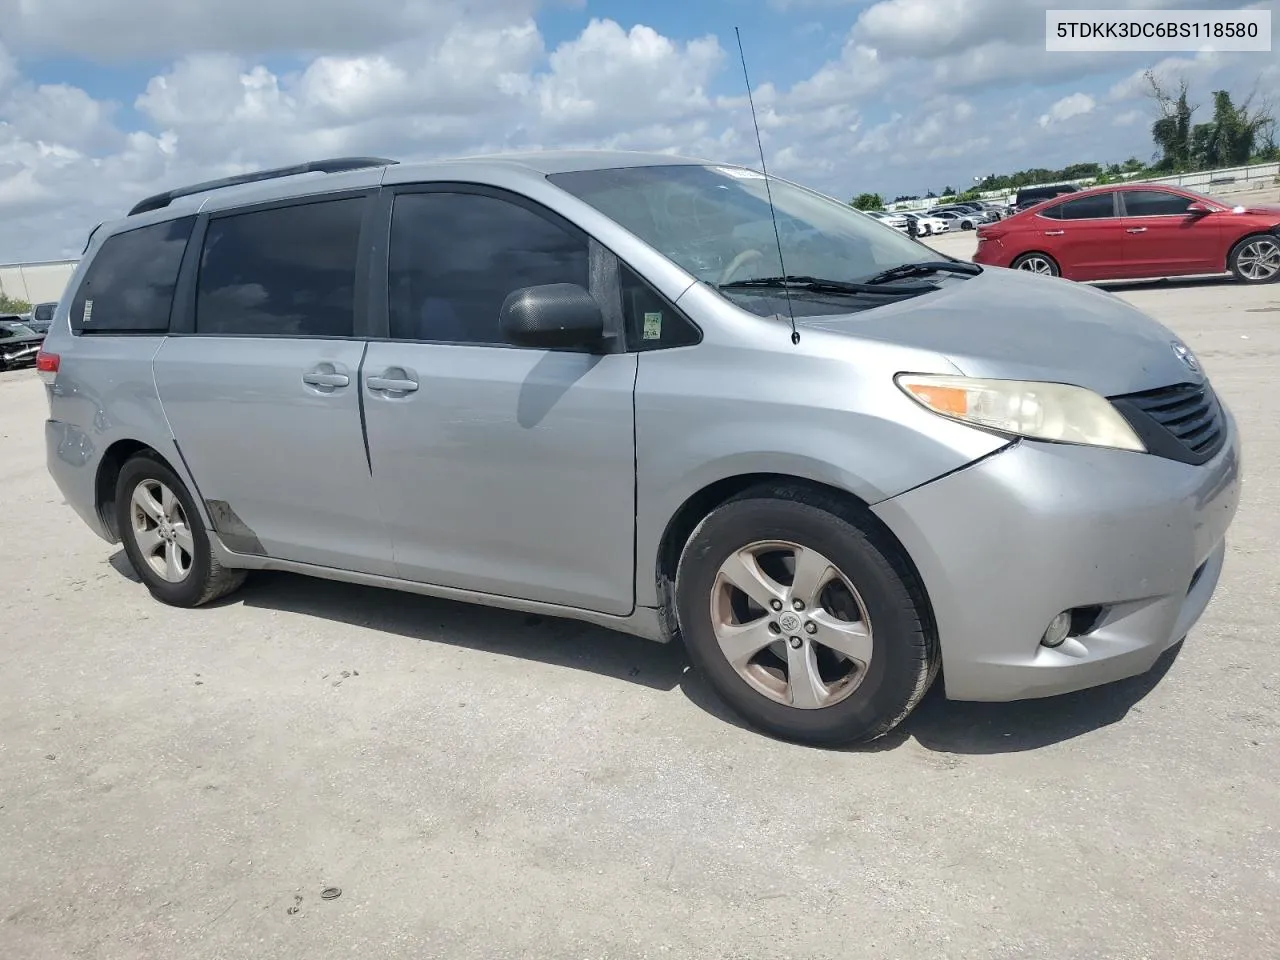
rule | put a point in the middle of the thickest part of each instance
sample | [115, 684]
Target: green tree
[867, 201]
[948, 191]
[1172, 129]
[1229, 140]
[9, 305]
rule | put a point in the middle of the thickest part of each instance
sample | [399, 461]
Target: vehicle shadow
[1168, 283]
[937, 724]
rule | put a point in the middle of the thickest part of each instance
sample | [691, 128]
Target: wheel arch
[1013, 264]
[699, 505]
[109, 466]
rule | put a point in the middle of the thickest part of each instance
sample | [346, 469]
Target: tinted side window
[44, 311]
[1095, 207]
[652, 322]
[1053, 213]
[1155, 203]
[128, 288]
[455, 257]
[284, 272]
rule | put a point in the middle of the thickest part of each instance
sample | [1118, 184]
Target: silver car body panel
[548, 481]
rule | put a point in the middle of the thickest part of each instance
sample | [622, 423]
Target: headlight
[1057, 412]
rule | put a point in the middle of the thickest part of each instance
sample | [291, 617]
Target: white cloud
[921, 93]
[1075, 105]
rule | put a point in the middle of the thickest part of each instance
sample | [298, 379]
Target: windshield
[10, 329]
[715, 223]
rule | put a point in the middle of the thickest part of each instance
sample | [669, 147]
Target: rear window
[281, 272]
[128, 288]
[44, 311]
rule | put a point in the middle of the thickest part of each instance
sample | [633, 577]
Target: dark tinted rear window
[128, 287]
[1094, 207]
[284, 272]
[1155, 203]
[44, 311]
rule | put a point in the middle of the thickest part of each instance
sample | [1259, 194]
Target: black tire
[904, 659]
[1233, 260]
[1054, 269]
[206, 579]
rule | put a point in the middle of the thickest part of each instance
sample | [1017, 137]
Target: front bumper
[1007, 543]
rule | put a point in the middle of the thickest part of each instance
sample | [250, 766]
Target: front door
[500, 470]
[1163, 240]
[263, 398]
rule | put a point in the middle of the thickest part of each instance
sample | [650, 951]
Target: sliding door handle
[326, 379]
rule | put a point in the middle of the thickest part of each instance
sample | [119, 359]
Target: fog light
[1057, 631]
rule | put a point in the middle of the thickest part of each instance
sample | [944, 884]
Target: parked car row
[19, 343]
[1137, 232]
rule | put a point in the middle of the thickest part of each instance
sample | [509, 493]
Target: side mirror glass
[551, 315]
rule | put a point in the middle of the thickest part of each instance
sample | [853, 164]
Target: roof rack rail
[335, 165]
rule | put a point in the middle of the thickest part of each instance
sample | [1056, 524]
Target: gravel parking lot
[482, 784]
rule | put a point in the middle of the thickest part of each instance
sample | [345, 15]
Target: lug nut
[797, 604]
[776, 604]
[810, 628]
[795, 643]
[774, 628]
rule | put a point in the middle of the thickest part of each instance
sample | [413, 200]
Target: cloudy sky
[105, 101]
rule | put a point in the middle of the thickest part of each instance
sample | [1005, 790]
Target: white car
[895, 220]
[928, 226]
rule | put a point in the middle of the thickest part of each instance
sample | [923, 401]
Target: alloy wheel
[1039, 265]
[791, 624]
[1259, 259]
[161, 530]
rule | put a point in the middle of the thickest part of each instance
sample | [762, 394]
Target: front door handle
[1136, 230]
[393, 381]
[1054, 233]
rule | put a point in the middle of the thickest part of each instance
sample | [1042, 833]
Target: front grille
[1183, 422]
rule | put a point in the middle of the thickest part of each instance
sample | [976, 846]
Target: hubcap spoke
[145, 500]
[182, 537]
[173, 561]
[812, 572]
[740, 642]
[743, 571]
[149, 541]
[167, 501]
[808, 692]
[852, 640]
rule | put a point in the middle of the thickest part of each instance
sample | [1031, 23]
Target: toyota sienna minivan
[658, 394]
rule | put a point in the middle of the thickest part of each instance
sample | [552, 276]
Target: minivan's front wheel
[164, 537]
[804, 618]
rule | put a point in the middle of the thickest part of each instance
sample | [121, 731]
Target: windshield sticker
[652, 326]
[88, 310]
[739, 173]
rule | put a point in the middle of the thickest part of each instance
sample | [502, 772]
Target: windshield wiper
[819, 285]
[921, 269]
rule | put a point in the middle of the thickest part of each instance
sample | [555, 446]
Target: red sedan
[1136, 232]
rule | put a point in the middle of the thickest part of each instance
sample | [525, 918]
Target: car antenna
[795, 334]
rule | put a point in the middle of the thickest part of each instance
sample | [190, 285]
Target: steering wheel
[740, 261]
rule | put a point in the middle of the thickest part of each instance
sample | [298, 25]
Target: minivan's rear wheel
[1257, 259]
[164, 537]
[1040, 263]
[804, 618]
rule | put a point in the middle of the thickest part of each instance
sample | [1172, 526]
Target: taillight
[47, 366]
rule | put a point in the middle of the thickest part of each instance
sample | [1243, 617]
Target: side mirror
[1198, 209]
[551, 315]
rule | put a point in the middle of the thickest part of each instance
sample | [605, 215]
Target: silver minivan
[663, 395]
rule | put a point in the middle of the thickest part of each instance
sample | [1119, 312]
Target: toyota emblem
[1183, 353]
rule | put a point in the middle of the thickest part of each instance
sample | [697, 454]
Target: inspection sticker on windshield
[652, 326]
[739, 173]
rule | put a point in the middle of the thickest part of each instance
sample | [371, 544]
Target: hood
[1014, 325]
[1256, 209]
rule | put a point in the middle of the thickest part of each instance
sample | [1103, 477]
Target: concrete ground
[481, 784]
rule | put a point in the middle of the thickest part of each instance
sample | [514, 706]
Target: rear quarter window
[128, 288]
